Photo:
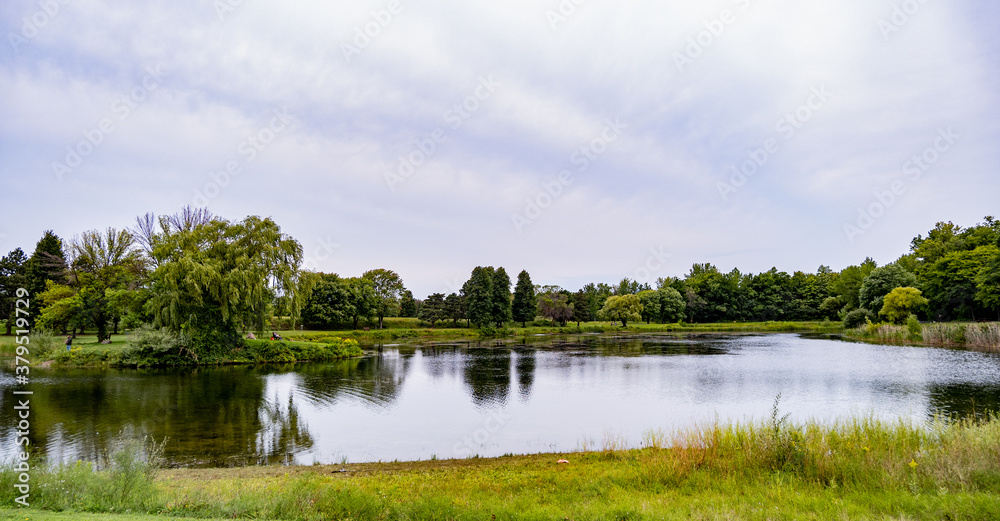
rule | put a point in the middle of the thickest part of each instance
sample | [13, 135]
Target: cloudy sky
[581, 140]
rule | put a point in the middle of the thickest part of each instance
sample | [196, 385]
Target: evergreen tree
[48, 262]
[525, 306]
[479, 295]
[501, 298]
[407, 305]
[12, 278]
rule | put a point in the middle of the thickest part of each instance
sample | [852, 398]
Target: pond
[549, 394]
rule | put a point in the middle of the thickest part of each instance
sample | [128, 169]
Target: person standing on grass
[69, 342]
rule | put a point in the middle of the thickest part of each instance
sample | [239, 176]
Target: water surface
[462, 399]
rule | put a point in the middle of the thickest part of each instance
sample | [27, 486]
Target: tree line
[211, 279]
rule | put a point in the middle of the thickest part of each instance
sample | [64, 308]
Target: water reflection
[414, 402]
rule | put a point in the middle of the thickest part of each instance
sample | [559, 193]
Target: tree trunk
[102, 332]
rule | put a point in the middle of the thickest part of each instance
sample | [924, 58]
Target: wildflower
[913, 464]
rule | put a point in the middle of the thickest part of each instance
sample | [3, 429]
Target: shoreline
[858, 468]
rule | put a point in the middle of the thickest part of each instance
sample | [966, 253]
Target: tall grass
[123, 480]
[862, 459]
[983, 336]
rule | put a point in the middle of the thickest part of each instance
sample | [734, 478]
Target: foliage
[407, 305]
[103, 267]
[650, 300]
[479, 296]
[556, 307]
[13, 276]
[622, 308]
[433, 309]
[900, 303]
[880, 282]
[501, 299]
[913, 326]
[525, 306]
[847, 286]
[671, 305]
[335, 302]
[988, 279]
[47, 263]
[214, 278]
[149, 347]
[388, 288]
[858, 317]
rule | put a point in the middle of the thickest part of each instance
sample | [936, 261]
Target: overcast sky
[581, 142]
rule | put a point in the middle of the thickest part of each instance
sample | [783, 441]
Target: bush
[916, 330]
[858, 318]
[269, 351]
[149, 347]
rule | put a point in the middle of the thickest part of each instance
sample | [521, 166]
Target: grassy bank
[857, 469]
[150, 349]
[410, 330]
[979, 337]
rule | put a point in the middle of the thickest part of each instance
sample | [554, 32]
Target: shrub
[916, 330]
[149, 347]
[858, 318]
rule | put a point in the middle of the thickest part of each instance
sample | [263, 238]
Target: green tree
[479, 296]
[62, 308]
[988, 283]
[103, 264]
[48, 262]
[217, 277]
[362, 299]
[13, 276]
[455, 309]
[952, 284]
[900, 303]
[671, 305]
[434, 309]
[525, 305]
[388, 288]
[880, 282]
[502, 312]
[847, 285]
[584, 304]
[622, 308]
[556, 307]
[650, 300]
[407, 305]
[331, 303]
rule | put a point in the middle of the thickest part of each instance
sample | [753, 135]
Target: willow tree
[215, 278]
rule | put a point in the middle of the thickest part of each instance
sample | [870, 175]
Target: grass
[980, 337]
[407, 329]
[774, 469]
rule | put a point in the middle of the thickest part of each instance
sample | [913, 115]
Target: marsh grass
[981, 337]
